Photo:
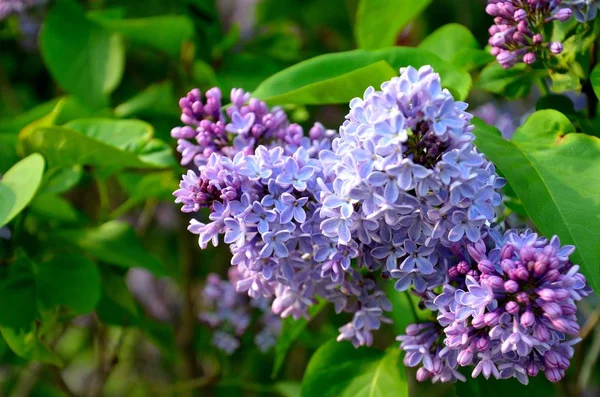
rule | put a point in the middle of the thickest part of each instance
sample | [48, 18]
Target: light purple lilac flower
[405, 162]
[584, 10]
[508, 311]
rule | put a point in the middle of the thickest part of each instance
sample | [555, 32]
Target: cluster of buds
[518, 30]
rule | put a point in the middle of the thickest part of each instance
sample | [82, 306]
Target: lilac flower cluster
[229, 313]
[584, 10]
[518, 30]
[407, 179]
[261, 178]
[508, 310]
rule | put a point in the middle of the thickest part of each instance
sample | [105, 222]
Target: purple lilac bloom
[518, 30]
[405, 162]
[507, 311]
[584, 10]
[229, 313]
[262, 180]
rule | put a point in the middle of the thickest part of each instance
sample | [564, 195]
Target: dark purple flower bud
[556, 47]
[523, 27]
[523, 298]
[465, 357]
[423, 374]
[463, 267]
[540, 267]
[529, 58]
[537, 39]
[552, 275]
[506, 59]
[541, 332]
[568, 309]
[547, 294]
[512, 307]
[491, 319]
[520, 15]
[563, 14]
[527, 319]
[551, 359]
[473, 273]
[495, 282]
[521, 273]
[554, 374]
[478, 321]
[552, 310]
[453, 272]
[526, 254]
[492, 10]
[477, 251]
[511, 286]
[485, 266]
[507, 251]
[482, 343]
[507, 265]
[498, 40]
[532, 368]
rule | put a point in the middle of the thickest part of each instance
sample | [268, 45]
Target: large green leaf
[51, 207]
[318, 80]
[129, 135]
[379, 22]
[538, 387]
[448, 40]
[113, 242]
[18, 186]
[63, 147]
[511, 83]
[290, 331]
[164, 32]
[555, 173]
[338, 369]
[84, 58]
[69, 280]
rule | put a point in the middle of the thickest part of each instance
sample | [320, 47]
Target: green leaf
[157, 186]
[165, 32]
[339, 369]
[561, 103]
[563, 82]
[128, 135]
[116, 305]
[82, 56]
[511, 83]
[113, 242]
[15, 124]
[555, 173]
[470, 59]
[64, 147]
[69, 280]
[290, 331]
[316, 81]
[18, 292]
[157, 99]
[25, 344]
[60, 180]
[18, 186]
[448, 40]
[53, 207]
[379, 22]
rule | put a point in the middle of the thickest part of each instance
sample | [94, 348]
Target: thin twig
[412, 306]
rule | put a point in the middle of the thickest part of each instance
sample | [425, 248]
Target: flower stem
[412, 306]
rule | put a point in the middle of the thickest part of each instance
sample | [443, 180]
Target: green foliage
[113, 242]
[511, 83]
[68, 280]
[332, 78]
[555, 173]
[338, 369]
[378, 22]
[19, 185]
[83, 57]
